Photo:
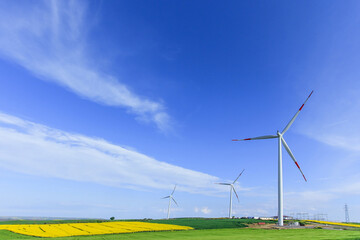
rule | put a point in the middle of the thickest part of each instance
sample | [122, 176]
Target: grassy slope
[208, 223]
[210, 234]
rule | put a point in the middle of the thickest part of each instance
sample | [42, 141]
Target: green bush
[302, 223]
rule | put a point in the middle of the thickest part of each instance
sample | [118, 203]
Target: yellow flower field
[77, 229]
[336, 223]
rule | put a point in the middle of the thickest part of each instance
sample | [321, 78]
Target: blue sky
[105, 105]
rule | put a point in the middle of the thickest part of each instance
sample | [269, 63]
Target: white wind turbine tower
[281, 139]
[232, 188]
[170, 197]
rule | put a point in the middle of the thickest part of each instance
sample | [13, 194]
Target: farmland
[204, 229]
[356, 225]
[210, 223]
[223, 234]
[80, 229]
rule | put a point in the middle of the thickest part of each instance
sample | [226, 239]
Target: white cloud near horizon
[49, 39]
[35, 149]
[204, 210]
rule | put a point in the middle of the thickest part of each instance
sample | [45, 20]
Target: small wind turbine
[170, 198]
[279, 135]
[232, 188]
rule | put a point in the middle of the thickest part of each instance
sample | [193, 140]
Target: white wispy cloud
[338, 140]
[333, 113]
[204, 210]
[49, 39]
[36, 149]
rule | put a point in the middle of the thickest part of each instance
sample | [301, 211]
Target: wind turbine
[232, 188]
[281, 141]
[170, 197]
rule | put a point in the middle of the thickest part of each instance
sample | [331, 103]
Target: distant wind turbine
[279, 135]
[232, 188]
[170, 197]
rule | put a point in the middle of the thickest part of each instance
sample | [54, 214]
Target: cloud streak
[49, 39]
[204, 210]
[36, 149]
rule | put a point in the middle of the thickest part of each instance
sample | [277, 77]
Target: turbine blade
[257, 138]
[297, 113]
[235, 193]
[292, 156]
[173, 190]
[165, 197]
[223, 183]
[238, 176]
[175, 201]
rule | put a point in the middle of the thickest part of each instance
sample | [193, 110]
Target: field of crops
[336, 223]
[78, 229]
[210, 229]
[210, 223]
[210, 234]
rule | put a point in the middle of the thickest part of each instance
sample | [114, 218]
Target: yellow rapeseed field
[336, 223]
[77, 229]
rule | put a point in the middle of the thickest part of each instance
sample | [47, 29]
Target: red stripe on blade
[247, 139]
[301, 107]
[305, 178]
[311, 93]
[297, 165]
